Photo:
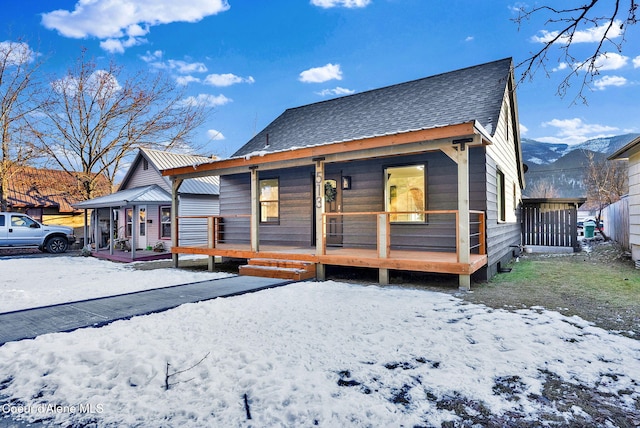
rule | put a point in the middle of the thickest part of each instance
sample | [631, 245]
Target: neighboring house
[420, 176]
[47, 195]
[631, 152]
[138, 216]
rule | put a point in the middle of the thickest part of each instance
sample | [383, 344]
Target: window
[129, 221]
[145, 164]
[22, 221]
[500, 190]
[405, 193]
[269, 200]
[165, 222]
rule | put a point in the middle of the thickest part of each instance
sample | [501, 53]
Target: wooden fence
[550, 226]
[617, 222]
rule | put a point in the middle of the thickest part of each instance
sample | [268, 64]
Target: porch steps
[283, 269]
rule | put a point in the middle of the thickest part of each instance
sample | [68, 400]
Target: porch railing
[436, 230]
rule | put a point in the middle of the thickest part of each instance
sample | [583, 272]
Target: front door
[142, 227]
[333, 204]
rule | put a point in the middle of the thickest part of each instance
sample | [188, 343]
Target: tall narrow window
[405, 193]
[165, 222]
[269, 200]
[129, 220]
[500, 188]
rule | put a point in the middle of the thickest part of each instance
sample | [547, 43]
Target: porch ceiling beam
[348, 150]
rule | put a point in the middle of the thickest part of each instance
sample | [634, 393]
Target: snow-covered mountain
[563, 165]
[539, 153]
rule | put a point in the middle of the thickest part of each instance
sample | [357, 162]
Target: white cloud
[607, 81]
[636, 62]
[15, 53]
[126, 20]
[590, 35]
[574, 131]
[469, 39]
[100, 83]
[206, 100]
[214, 134]
[321, 74]
[560, 67]
[335, 91]
[154, 59]
[227, 79]
[184, 67]
[119, 46]
[610, 61]
[154, 56]
[185, 80]
[523, 129]
[337, 3]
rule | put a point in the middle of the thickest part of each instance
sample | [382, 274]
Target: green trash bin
[589, 229]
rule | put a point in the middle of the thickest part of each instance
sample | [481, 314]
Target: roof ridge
[459, 70]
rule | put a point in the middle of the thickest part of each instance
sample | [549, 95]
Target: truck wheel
[56, 245]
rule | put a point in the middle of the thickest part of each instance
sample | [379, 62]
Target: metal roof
[30, 187]
[461, 96]
[133, 196]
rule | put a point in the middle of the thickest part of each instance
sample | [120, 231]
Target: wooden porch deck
[418, 261]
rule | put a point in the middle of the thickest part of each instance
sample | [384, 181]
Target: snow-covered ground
[28, 282]
[315, 353]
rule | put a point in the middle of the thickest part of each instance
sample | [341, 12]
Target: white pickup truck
[20, 230]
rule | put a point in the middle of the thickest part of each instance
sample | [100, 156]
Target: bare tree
[95, 118]
[18, 89]
[606, 182]
[543, 189]
[602, 22]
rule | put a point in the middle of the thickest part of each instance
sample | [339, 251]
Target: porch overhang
[404, 143]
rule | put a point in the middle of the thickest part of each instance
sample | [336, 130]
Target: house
[48, 195]
[631, 152]
[425, 176]
[137, 218]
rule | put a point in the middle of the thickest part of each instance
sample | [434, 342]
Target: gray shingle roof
[461, 96]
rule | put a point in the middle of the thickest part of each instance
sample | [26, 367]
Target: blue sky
[251, 60]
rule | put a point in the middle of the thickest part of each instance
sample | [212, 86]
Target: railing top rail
[214, 216]
[398, 212]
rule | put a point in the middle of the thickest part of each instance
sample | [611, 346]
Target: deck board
[420, 261]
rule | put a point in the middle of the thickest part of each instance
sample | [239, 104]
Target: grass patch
[601, 286]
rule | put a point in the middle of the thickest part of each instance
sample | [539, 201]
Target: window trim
[162, 223]
[386, 196]
[128, 232]
[501, 196]
[260, 200]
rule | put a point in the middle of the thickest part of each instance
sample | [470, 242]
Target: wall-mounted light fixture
[346, 182]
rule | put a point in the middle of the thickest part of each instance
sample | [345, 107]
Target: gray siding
[194, 231]
[235, 198]
[296, 207]
[502, 237]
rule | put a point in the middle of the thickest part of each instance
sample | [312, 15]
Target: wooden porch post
[175, 228]
[464, 248]
[384, 244]
[319, 207]
[211, 241]
[255, 210]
